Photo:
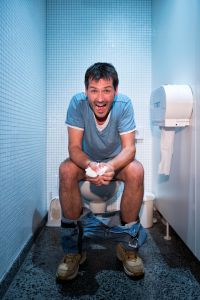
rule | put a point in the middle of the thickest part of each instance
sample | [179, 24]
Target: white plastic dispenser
[171, 106]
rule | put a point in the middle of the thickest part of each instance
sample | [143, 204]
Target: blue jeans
[75, 235]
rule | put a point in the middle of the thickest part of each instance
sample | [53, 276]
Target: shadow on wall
[37, 222]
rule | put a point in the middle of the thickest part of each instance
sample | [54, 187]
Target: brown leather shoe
[132, 263]
[69, 266]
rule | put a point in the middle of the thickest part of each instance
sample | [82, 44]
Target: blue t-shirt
[106, 144]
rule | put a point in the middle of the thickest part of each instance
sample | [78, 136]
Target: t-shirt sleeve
[74, 116]
[127, 119]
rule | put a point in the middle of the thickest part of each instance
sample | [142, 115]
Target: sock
[68, 222]
[129, 224]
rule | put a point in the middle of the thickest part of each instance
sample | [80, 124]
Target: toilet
[107, 198]
[100, 199]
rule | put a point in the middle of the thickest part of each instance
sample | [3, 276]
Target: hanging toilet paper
[166, 150]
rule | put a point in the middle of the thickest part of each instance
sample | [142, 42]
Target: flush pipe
[167, 237]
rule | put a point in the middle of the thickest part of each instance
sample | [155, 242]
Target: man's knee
[134, 171]
[136, 168]
[68, 170]
[64, 170]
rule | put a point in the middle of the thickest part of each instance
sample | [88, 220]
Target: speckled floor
[171, 271]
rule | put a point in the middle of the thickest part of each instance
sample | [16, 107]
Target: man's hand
[99, 168]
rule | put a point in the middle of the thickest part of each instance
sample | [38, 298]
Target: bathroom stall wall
[197, 131]
[175, 60]
[80, 33]
[22, 125]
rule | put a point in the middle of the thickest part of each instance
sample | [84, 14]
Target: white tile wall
[22, 124]
[80, 33]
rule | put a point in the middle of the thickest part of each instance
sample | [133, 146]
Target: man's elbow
[133, 152]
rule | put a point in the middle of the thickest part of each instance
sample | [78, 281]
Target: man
[101, 130]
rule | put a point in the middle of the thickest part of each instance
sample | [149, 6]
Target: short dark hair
[101, 71]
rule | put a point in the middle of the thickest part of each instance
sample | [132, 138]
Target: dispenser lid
[171, 105]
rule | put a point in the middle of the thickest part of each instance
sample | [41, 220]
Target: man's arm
[76, 154]
[127, 153]
[126, 156]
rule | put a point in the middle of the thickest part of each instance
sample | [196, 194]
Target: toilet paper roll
[166, 150]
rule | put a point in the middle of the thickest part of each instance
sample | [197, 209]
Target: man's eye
[107, 91]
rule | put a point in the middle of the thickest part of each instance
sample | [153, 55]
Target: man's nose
[100, 96]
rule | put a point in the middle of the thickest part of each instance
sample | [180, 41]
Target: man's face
[100, 95]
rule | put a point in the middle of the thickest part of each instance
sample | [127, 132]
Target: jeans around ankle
[100, 227]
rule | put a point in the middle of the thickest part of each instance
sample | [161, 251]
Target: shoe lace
[131, 255]
[69, 258]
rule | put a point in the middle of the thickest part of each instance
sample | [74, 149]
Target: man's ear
[116, 91]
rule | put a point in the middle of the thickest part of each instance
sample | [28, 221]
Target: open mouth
[100, 108]
[100, 104]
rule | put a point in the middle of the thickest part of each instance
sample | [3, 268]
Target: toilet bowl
[100, 199]
[107, 198]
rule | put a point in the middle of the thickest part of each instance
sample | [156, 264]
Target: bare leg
[133, 177]
[69, 192]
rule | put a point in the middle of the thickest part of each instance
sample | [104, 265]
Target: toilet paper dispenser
[171, 105]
